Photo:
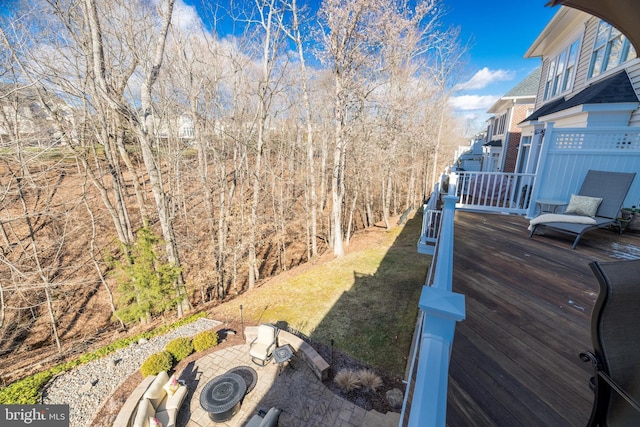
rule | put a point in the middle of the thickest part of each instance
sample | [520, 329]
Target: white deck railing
[565, 157]
[492, 191]
[431, 219]
[425, 402]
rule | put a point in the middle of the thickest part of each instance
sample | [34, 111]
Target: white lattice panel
[596, 140]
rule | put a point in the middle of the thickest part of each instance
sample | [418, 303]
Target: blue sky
[500, 32]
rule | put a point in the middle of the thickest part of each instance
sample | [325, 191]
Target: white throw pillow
[171, 386]
[583, 205]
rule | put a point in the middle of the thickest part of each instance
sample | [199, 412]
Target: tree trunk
[311, 174]
[337, 177]
[145, 135]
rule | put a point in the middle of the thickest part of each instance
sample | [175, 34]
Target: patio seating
[615, 336]
[270, 419]
[597, 205]
[261, 348]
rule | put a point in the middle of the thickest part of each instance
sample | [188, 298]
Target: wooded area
[247, 140]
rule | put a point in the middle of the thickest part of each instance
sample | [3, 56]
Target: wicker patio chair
[616, 345]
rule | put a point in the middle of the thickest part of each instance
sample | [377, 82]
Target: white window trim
[555, 89]
[624, 53]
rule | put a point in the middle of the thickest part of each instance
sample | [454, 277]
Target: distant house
[469, 157]
[503, 132]
[25, 118]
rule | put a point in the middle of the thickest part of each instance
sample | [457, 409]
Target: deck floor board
[515, 358]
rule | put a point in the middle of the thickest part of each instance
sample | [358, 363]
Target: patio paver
[304, 400]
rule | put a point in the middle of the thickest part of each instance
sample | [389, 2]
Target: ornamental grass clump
[205, 340]
[156, 363]
[369, 379]
[179, 348]
[347, 380]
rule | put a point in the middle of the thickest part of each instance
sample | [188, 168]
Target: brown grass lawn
[366, 301]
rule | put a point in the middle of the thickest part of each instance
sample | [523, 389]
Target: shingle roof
[527, 87]
[616, 88]
[493, 143]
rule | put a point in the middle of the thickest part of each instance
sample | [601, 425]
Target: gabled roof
[527, 87]
[559, 28]
[616, 88]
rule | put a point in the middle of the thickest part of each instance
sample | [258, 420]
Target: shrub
[205, 340]
[25, 391]
[157, 363]
[369, 379]
[179, 348]
[347, 380]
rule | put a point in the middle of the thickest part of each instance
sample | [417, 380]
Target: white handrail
[440, 309]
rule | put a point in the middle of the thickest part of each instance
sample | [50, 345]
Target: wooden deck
[515, 357]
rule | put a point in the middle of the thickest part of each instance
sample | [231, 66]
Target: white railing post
[442, 309]
[545, 142]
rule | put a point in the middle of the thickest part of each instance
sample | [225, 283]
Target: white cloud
[485, 77]
[472, 102]
[184, 16]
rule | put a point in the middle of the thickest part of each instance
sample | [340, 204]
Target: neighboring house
[586, 110]
[585, 116]
[469, 158]
[578, 111]
[180, 126]
[24, 117]
[503, 132]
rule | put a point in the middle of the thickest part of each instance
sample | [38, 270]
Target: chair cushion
[270, 419]
[583, 205]
[167, 418]
[259, 350]
[266, 333]
[155, 393]
[175, 401]
[143, 413]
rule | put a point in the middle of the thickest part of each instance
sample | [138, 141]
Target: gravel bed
[87, 386]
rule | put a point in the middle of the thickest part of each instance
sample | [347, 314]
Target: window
[610, 49]
[561, 72]
[499, 124]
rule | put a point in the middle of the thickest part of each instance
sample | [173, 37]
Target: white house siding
[541, 84]
[585, 55]
[573, 31]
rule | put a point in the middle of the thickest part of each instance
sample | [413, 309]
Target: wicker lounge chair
[615, 336]
[611, 187]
